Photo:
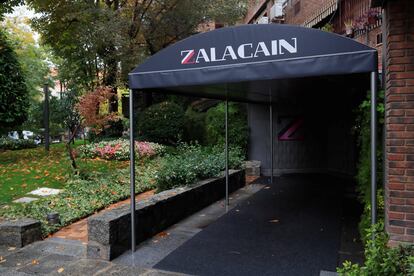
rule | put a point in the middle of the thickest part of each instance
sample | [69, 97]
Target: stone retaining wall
[110, 232]
[19, 233]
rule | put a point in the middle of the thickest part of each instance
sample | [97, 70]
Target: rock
[45, 192]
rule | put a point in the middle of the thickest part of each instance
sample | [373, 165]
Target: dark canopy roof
[245, 58]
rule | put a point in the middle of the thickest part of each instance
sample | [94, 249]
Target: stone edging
[109, 232]
[19, 232]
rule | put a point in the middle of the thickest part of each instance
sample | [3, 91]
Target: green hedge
[238, 129]
[193, 162]
[162, 123]
[7, 143]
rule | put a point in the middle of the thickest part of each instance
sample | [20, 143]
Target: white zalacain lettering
[244, 51]
[274, 47]
[261, 48]
[241, 50]
[229, 52]
[290, 48]
[202, 54]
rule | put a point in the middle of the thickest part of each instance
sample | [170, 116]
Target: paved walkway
[292, 227]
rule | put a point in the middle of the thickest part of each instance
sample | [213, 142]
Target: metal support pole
[227, 153]
[373, 147]
[132, 166]
[271, 140]
[46, 117]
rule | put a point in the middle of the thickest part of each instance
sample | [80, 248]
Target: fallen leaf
[162, 234]
[60, 270]
[35, 262]
[274, 221]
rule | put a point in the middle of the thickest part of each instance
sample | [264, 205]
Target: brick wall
[306, 9]
[347, 10]
[256, 8]
[399, 160]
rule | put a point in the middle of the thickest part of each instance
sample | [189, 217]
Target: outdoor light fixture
[53, 218]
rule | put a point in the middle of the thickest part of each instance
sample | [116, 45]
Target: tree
[13, 91]
[32, 57]
[6, 6]
[101, 41]
[89, 109]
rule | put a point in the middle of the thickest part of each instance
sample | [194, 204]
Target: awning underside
[272, 90]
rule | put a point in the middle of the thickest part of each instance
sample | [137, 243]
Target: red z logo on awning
[187, 57]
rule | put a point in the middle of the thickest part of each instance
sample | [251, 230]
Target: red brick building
[388, 26]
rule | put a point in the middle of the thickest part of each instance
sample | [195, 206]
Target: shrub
[7, 143]
[362, 128]
[195, 130]
[381, 259]
[193, 162]
[119, 149]
[162, 123]
[238, 129]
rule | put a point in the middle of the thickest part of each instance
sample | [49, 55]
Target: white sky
[24, 11]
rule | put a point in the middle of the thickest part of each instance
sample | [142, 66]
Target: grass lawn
[25, 170]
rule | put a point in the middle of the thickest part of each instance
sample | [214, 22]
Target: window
[379, 38]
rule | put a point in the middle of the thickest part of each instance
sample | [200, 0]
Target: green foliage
[13, 91]
[362, 130]
[162, 123]
[7, 143]
[90, 38]
[238, 129]
[195, 129]
[192, 162]
[32, 57]
[8, 5]
[328, 28]
[57, 113]
[381, 259]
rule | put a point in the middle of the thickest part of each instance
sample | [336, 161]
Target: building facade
[388, 26]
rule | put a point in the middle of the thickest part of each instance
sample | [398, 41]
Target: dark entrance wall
[399, 159]
[324, 143]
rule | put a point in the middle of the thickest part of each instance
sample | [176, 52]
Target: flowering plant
[119, 149]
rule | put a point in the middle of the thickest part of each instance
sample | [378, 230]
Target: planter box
[110, 232]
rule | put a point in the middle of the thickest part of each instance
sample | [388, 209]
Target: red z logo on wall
[292, 130]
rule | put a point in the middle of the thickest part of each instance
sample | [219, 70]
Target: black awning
[250, 53]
